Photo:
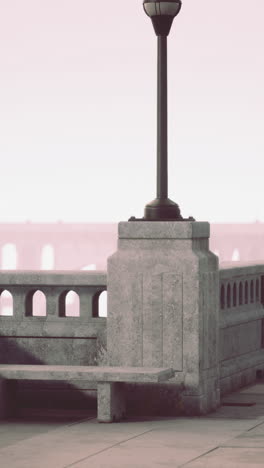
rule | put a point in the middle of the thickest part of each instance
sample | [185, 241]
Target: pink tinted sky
[78, 110]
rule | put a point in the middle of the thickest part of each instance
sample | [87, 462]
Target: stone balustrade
[241, 318]
[23, 285]
[240, 286]
[28, 323]
[53, 333]
[57, 335]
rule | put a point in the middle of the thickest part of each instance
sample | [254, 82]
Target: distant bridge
[58, 246]
[66, 246]
[240, 242]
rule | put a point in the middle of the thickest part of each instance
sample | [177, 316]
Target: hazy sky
[78, 110]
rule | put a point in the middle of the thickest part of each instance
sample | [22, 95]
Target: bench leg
[110, 402]
[7, 398]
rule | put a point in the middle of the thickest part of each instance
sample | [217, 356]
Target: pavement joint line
[254, 427]
[199, 456]
[239, 446]
[80, 421]
[222, 445]
[107, 448]
[234, 419]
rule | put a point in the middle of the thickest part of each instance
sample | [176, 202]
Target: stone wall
[241, 326]
[53, 337]
[169, 305]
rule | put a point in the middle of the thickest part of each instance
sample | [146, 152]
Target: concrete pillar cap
[163, 230]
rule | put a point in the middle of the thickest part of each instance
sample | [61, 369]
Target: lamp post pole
[162, 13]
[162, 120]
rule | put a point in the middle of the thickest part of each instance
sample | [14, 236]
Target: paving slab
[244, 404]
[176, 442]
[236, 412]
[230, 458]
[253, 438]
[232, 436]
[257, 389]
[144, 458]
[37, 423]
[66, 445]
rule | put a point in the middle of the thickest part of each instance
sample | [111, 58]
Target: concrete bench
[110, 397]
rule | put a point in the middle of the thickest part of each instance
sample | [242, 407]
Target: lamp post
[162, 13]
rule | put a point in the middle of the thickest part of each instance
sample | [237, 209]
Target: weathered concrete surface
[53, 338]
[163, 298]
[111, 402]
[241, 331]
[231, 437]
[89, 373]
[50, 278]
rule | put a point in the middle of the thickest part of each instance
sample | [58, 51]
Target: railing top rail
[47, 278]
[228, 270]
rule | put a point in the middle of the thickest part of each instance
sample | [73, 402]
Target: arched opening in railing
[222, 297]
[99, 308]
[9, 257]
[6, 303]
[240, 293]
[39, 306]
[47, 257]
[103, 304]
[234, 295]
[69, 304]
[246, 292]
[36, 304]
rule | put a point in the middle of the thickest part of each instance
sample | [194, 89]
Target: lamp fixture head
[162, 13]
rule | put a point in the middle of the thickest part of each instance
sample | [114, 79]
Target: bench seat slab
[110, 383]
[89, 373]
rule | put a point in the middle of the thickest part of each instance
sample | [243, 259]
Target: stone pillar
[163, 305]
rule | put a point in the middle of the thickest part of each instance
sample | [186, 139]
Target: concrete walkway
[231, 437]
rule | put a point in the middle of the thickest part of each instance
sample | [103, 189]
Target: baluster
[246, 292]
[222, 297]
[52, 298]
[241, 293]
[234, 295]
[251, 292]
[86, 303]
[257, 291]
[19, 301]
